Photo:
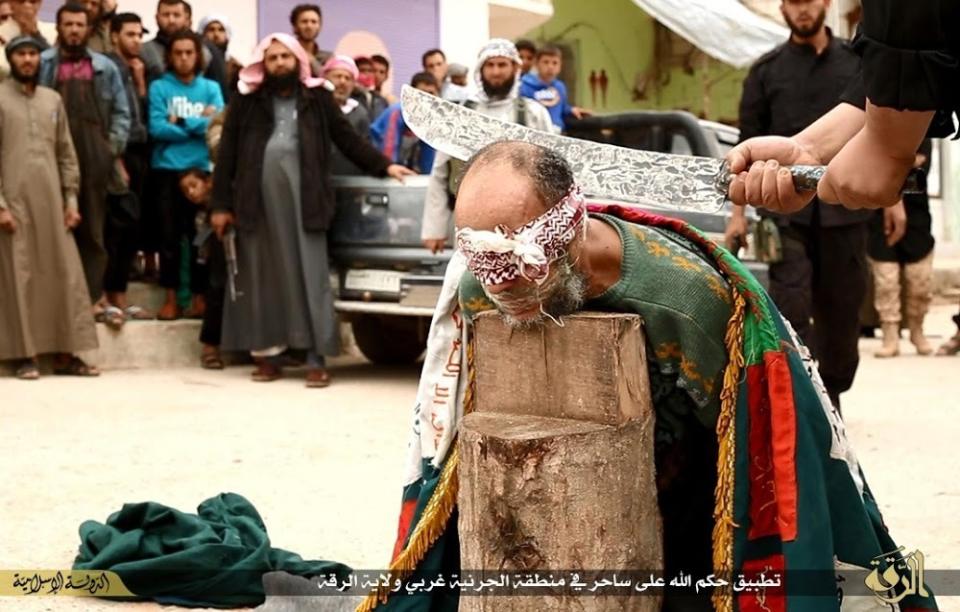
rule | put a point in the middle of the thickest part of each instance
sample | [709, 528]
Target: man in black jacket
[821, 280]
[272, 181]
[910, 87]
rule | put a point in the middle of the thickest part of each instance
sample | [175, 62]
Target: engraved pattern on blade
[659, 180]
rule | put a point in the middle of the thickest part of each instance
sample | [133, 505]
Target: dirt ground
[323, 467]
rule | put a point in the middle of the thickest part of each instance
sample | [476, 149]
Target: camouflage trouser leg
[886, 282]
[918, 282]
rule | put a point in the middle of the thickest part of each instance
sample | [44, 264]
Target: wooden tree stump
[541, 493]
[594, 368]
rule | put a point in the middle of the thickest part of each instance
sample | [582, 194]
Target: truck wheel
[390, 340]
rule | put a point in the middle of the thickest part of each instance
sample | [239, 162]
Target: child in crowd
[196, 185]
[528, 55]
[181, 104]
[548, 90]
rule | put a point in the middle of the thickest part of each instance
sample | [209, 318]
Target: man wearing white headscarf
[498, 84]
[217, 31]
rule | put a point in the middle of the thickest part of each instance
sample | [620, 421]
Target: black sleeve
[754, 108]
[225, 168]
[909, 51]
[216, 70]
[363, 126]
[854, 93]
[353, 146]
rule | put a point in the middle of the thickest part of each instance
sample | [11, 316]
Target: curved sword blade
[660, 180]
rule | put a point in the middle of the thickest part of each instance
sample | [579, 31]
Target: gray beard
[568, 297]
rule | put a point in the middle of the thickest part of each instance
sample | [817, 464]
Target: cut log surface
[557, 467]
[594, 368]
[546, 494]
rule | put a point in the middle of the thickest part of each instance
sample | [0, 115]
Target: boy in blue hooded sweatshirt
[548, 90]
[181, 104]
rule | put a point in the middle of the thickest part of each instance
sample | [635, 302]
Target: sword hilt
[806, 178]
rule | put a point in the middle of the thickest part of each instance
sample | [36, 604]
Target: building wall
[618, 38]
[949, 213]
[399, 31]
[464, 28]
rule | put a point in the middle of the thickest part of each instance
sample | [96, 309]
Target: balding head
[532, 275]
[510, 183]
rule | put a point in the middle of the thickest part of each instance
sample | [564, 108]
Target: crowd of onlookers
[146, 118]
[146, 196]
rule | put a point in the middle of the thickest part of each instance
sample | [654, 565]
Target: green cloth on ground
[215, 558]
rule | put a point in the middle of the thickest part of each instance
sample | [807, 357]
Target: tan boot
[919, 340]
[891, 341]
[918, 279]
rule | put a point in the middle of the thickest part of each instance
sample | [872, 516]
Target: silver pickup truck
[388, 283]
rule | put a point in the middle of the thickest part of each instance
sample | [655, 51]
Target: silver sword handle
[806, 178]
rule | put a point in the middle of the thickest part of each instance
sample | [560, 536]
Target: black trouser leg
[150, 235]
[188, 229]
[121, 244]
[215, 294]
[791, 283]
[171, 205]
[89, 234]
[838, 292]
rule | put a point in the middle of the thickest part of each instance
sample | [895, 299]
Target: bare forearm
[827, 135]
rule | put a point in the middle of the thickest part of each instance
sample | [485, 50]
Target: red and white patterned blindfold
[503, 255]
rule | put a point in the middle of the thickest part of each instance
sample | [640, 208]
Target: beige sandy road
[323, 467]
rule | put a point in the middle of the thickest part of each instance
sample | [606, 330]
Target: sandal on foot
[318, 378]
[113, 317]
[138, 313]
[266, 372]
[28, 370]
[211, 360]
[75, 367]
